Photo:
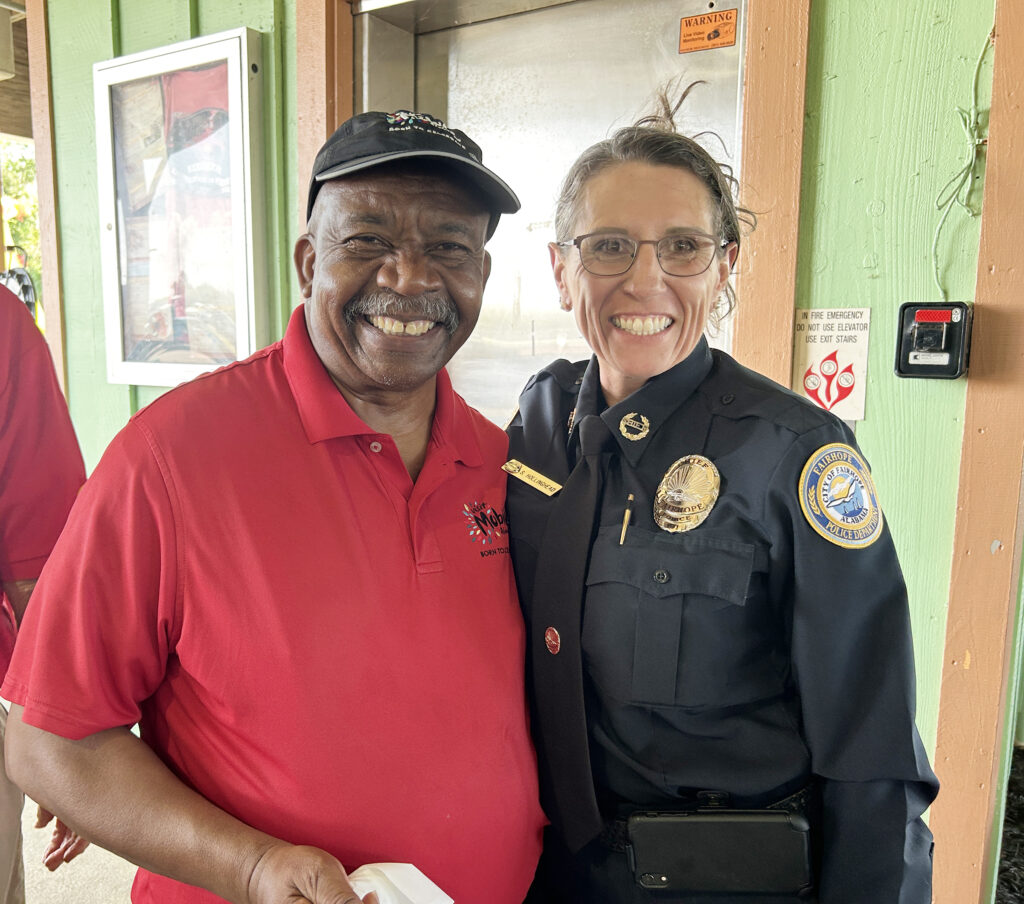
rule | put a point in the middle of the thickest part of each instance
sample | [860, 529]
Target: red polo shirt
[318, 645]
[41, 468]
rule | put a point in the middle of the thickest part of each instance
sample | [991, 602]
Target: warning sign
[707, 31]
[830, 358]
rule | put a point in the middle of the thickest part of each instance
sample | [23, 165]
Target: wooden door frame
[324, 81]
[772, 137]
[46, 183]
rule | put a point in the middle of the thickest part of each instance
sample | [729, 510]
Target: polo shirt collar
[649, 407]
[453, 424]
[326, 414]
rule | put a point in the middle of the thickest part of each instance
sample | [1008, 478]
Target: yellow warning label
[710, 30]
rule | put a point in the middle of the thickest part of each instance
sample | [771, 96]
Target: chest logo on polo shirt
[838, 497]
[485, 523]
[686, 494]
[634, 426]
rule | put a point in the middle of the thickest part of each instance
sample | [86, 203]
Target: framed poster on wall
[178, 146]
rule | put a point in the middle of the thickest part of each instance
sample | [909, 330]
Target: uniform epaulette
[736, 391]
[567, 374]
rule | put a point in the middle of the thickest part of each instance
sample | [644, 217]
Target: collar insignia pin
[634, 426]
[686, 494]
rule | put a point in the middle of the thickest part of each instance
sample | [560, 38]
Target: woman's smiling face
[641, 322]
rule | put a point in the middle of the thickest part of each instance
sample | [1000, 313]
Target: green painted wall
[882, 138]
[83, 32]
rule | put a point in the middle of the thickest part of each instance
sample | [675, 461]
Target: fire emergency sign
[830, 358]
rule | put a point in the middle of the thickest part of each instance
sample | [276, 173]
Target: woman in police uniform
[719, 641]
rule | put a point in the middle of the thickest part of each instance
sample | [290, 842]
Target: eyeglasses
[610, 254]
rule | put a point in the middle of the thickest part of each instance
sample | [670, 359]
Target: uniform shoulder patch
[838, 497]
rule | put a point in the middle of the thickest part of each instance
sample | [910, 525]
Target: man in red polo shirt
[293, 574]
[41, 470]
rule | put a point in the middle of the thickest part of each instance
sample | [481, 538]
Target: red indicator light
[933, 315]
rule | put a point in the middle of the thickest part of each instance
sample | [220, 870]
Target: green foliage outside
[20, 206]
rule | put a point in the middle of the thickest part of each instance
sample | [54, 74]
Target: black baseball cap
[370, 139]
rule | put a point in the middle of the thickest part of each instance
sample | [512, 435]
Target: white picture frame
[179, 151]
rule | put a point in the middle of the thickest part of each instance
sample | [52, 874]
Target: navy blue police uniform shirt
[765, 647]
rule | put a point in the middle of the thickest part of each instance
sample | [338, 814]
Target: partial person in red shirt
[293, 573]
[41, 470]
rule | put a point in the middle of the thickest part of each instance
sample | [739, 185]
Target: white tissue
[396, 883]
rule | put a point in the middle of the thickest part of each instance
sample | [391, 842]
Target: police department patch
[838, 497]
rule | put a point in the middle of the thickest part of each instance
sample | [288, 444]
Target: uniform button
[552, 641]
[375, 446]
[662, 576]
[728, 398]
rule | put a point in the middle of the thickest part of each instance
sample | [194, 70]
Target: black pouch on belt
[719, 850]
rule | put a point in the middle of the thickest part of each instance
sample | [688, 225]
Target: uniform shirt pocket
[667, 622]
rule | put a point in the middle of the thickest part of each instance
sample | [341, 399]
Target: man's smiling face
[393, 269]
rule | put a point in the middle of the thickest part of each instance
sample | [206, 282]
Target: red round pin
[552, 641]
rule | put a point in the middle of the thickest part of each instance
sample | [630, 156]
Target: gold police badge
[686, 494]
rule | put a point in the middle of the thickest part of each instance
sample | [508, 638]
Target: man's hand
[64, 844]
[291, 874]
[111, 786]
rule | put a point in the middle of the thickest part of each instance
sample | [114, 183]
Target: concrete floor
[96, 877]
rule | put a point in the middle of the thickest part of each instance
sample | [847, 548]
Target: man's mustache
[435, 306]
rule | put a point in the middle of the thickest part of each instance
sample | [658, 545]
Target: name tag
[534, 478]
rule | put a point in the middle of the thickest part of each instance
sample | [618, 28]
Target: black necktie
[557, 661]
